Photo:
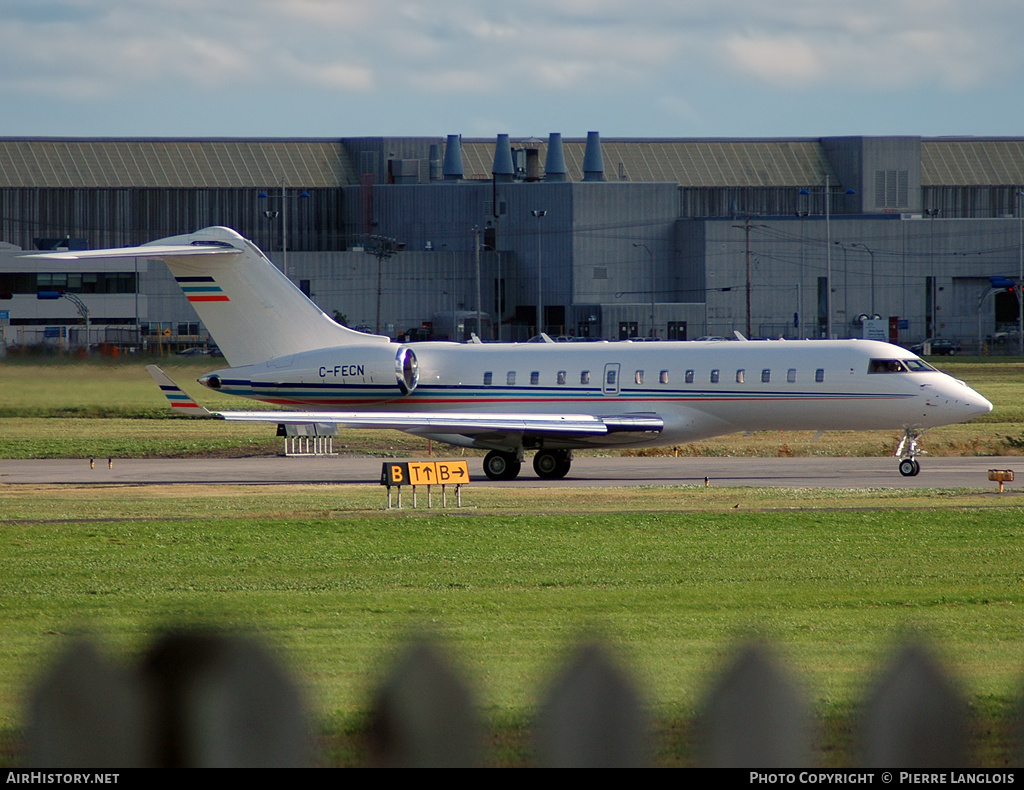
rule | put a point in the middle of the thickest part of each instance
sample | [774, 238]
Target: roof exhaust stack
[554, 166]
[502, 169]
[452, 170]
[593, 161]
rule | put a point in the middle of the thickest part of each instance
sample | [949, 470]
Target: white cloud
[785, 61]
[444, 59]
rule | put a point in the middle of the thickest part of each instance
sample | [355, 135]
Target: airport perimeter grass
[672, 578]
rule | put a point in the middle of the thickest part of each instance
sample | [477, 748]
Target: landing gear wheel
[909, 467]
[501, 466]
[552, 464]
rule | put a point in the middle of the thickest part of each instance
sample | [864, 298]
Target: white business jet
[548, 397]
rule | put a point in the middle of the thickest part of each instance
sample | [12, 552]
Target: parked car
[940, 346]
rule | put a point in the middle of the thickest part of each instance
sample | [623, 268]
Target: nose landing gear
[906, 450]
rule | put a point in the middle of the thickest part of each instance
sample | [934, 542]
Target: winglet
[181, 402]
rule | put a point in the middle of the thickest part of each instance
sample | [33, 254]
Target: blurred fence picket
[206, 699]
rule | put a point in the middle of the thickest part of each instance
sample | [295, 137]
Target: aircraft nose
[977, 403]
[968, 403]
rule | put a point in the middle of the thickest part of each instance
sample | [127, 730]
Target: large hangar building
[585, 237]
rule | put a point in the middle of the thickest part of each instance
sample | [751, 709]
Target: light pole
[846, 286]
[828, 251]
[870, 252]
[539, 214]
[639, 244]
[80, 306]
[284, 197]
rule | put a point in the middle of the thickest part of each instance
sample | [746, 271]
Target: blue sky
[650, 68]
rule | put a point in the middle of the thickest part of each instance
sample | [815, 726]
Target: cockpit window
[917, 365]
[887, 366]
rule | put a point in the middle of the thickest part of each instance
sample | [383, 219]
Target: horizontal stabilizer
[248, 305]
[147, 251]
[181, 402]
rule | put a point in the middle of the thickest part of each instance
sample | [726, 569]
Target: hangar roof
[689, 163]
[111, 163]
[319, 163]
[972, 162]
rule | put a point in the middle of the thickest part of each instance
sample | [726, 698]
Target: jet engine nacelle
[370, 366]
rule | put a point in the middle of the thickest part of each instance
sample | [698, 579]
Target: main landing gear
[552, 464]
[502, 466]
[907, 449]
[548, 464]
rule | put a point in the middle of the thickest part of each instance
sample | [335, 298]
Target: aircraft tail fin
[253, 312]
[181, 402]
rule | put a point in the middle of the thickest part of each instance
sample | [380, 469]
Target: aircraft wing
[463, 423]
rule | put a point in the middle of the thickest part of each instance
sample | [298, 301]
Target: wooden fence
[204, 699]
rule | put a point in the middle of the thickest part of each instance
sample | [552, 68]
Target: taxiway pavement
[586, 471]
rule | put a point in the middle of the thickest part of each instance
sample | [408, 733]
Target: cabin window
[535, 377]
[609, 377]
[585, 377]
[510, 378]
[638, 377]
[714, 376]
[766, 376]
[689, 377]
[819, 375]
[740, 376]
[663, 377]
[561, 377]
[791, 375]
[886, 366]
[488, 378]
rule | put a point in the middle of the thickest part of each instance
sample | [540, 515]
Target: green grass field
[672, 578]
[335, 583]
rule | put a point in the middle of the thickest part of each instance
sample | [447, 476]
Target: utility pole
[382, 248]
[747, 227]
[539, 214]
[476, 250]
